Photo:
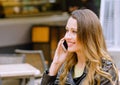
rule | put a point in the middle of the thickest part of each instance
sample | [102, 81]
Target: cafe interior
[29, 33]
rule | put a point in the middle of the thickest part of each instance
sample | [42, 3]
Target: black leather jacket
[54, 80]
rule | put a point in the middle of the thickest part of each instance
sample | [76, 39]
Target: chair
[11, 59]
[35, 58]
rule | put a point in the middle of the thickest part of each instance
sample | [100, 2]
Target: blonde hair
[93, 45]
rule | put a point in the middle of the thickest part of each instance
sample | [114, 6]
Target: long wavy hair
[93, 45]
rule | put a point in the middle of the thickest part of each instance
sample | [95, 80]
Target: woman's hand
[59, 58]
[60, 53]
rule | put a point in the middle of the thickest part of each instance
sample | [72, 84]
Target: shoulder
[106, 65]
[109, 67]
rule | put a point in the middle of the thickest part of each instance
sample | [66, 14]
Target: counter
[48, 20]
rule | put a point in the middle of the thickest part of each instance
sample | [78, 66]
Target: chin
[71, 50]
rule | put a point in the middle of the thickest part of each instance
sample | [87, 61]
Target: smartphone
[64, 45]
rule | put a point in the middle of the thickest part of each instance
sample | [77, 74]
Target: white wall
[16, 31]
[14, 34]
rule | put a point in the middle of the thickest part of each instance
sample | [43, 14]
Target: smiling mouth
[70, 44]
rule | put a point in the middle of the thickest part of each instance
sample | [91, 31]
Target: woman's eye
[74, 31]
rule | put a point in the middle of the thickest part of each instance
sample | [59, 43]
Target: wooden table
[18, 71]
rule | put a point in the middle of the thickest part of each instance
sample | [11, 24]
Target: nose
[68, 35]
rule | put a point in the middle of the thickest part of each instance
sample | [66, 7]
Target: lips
[70, 44]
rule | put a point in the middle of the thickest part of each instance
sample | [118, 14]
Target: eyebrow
[71, 28]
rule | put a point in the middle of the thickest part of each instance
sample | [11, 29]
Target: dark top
[77, 80]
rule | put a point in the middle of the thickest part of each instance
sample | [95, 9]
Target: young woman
[86, 60]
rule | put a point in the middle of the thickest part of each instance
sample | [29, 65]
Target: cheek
[76, 47]
[78, 44]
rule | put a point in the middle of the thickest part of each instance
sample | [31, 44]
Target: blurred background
[39, 24]
[32, 25]
[18, 8]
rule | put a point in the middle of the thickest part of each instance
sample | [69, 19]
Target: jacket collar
[70, 80]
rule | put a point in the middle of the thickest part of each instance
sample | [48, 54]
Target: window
[109, 17]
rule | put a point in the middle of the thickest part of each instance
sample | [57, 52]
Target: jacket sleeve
[48, 80]
[51, 80]
[105, 81]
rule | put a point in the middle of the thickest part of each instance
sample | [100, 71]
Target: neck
[79, 67]
[81, 58]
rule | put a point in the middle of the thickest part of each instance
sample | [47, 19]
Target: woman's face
[71, 35]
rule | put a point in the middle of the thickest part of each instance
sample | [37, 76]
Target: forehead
[71, 23]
